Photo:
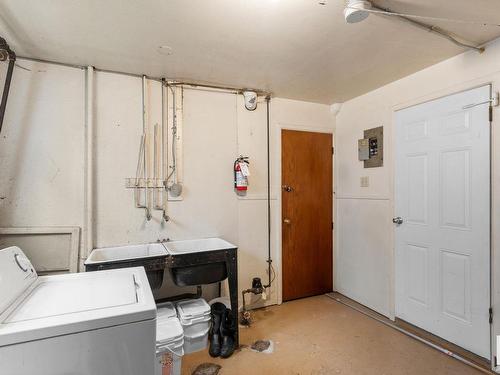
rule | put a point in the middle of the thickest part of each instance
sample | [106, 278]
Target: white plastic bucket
[165, 310]
[168, 363]
[169, 341]
[195, 318]
[197, 342]
[169, 357]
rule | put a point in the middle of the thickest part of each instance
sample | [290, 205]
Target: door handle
[397, 220]
[287, 221]
[287, 188]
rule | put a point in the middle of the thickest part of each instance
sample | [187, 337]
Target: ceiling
[296, 49]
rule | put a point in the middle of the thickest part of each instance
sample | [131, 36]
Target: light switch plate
[364, 181]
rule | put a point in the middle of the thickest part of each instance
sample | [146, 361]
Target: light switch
[364, 181]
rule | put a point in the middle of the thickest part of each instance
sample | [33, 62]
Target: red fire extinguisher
[241, 173]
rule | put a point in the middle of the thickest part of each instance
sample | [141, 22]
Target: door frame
[279, 219]
[422, 100]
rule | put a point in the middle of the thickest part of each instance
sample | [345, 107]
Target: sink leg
[232, 276]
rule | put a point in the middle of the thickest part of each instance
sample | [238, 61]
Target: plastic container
[194, 316]
[169, 341]
[165, 310]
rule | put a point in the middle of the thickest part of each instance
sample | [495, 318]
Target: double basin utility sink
[189, 261]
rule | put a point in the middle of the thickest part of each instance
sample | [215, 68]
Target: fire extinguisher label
[244, 169]
[241, 181]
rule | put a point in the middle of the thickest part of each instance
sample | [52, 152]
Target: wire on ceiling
[358, 10]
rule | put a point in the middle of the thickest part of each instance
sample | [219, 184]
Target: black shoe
[217, 311]
[227, 331]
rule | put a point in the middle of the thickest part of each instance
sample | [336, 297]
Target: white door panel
[442, 192]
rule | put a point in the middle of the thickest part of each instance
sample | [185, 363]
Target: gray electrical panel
[374, 138]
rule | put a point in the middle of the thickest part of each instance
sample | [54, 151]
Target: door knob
[287, 221]
[287, 188]
[397, 220]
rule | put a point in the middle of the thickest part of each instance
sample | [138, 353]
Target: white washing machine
[94, 323]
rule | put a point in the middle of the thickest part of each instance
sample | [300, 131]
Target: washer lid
[65, 304]
[55, 296]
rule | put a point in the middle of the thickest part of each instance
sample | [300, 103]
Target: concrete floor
[318, 336]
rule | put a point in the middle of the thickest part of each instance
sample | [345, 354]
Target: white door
[442, 194]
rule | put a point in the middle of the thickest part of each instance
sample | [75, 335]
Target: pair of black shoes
[222, 341]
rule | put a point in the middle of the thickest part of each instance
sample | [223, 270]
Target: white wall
[42, 147]
[365, 248]
[46, 120]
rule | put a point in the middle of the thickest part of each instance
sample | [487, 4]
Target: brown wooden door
[307, 193]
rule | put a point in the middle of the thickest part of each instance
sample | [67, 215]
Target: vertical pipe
[147, 200]
[174, 134]
[89, 163]
[269, 259]
[6, 88]
[155, 168]
[164, 148]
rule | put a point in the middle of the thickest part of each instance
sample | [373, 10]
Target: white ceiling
[295, 48]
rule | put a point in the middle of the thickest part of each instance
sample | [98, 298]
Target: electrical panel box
[375, 139]
[363, 150]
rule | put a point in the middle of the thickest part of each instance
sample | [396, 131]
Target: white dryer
[94, 323]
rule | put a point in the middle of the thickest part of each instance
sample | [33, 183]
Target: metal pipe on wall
[269, 259]
[9, 54]
[147, 203]
[89, 164]
[164, 148]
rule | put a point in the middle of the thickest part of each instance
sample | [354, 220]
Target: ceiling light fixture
[356, 10]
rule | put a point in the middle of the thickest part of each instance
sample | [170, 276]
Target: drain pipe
[269, 259]
[6, 53]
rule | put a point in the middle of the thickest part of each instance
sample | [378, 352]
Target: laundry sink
[197, 246]
[129, 252]
[151, 256]
[205, 272]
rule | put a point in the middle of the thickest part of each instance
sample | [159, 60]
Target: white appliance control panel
[16, 275]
